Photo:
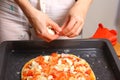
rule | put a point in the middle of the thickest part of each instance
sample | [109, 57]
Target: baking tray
[99, 53]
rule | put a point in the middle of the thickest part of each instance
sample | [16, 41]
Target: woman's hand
[39, 21]
[75, 19]
[72, 25]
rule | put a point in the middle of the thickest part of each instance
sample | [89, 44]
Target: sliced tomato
[70, 74]
[24, 73]
[30, 73]
[34, 77]
[27, 66]
[64, 61]
[69, 57]
[46, 68]
[88, 72]
[78, 65]
[54, 54]
[54, 59]
[88, 78]
[39, 59]
[59, 75]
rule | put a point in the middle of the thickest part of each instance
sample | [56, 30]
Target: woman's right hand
[39, 21]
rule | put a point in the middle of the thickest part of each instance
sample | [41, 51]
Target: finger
[54, 26]
[78, 30]
[64, 25]
[50, 38]
[47, 37]
[66, 22]
[74, 29]
[69, 26]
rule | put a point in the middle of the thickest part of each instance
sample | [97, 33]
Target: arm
[26, 7]
[75, 18]
[38, 20]
[81, 7]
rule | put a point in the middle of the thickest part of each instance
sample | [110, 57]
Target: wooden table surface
[117, 49]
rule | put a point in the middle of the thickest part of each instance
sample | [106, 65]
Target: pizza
[57, 67]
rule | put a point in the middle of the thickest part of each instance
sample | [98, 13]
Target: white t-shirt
[55, 9]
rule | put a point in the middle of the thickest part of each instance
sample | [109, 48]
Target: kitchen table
[117, 49]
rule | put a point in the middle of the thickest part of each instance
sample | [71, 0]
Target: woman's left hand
[75, 19]
[72, 26]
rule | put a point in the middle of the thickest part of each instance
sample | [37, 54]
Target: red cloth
[103, 32]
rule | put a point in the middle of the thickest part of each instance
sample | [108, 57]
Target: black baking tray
[99, 53]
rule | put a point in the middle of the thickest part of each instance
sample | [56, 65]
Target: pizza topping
[72, 69]
[72, 78]
[41, 78]
[69, 61]
[50, 77]
[29, 78]
[46, 59]
[81, 78]
[40, 60]
[88, 71]
[57, 67]
[66, 69]
[35, 65]
[60, 67]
